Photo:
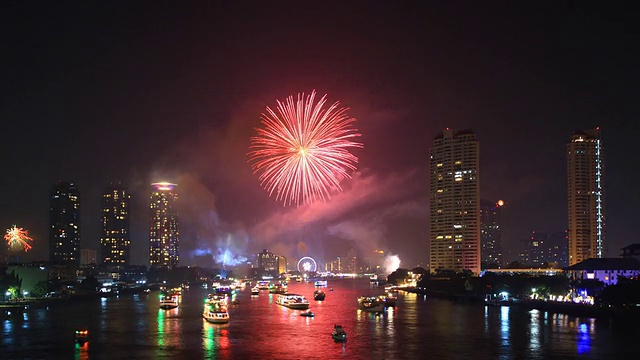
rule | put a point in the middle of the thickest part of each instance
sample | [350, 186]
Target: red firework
[18, 236]
[302, 152]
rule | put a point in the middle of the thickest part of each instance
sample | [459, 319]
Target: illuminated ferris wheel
[307, 264]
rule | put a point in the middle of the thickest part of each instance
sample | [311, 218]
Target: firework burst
[18, 236]
[302, 151]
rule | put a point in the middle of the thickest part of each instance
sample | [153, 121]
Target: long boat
[293, 301]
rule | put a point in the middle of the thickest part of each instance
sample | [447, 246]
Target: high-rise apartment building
[585, 184]
[115, 238]
[64, 224]
[455, 202]
[491, 233]
[164, 235]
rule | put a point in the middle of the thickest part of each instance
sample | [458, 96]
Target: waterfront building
[631, 251]
[607, 270]
[491, 233]
[115, 238]
[64, 224]
[585, 183]
[164, 235]
[455, 202]
[88, 257]
[270, 263]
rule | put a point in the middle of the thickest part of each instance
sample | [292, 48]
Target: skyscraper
[164, 235]
[64, 220]
[585, 184]
[491, 232]
[114, 240]
[455, 202]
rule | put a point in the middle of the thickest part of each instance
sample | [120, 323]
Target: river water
[133, 327]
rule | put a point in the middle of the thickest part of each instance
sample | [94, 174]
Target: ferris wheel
[307, 264]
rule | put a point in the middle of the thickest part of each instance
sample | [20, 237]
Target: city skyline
[178, 96]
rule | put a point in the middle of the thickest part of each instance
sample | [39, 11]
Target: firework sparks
[18, 236]
[302, 152]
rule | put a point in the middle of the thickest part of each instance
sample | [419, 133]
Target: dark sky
[163, 90]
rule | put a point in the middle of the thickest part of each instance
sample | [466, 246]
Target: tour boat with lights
[320, 283]
[255, 291]
[263, 284]
[82, 336]
[278, 288]
[293, 301]
[370, 304]
[338, 333]
[388, 300]
[215, 312]
[318, 295]
[168, 302]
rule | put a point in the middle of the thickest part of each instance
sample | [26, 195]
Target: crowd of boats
[217, 303]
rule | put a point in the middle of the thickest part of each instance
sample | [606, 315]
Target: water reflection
[504, 327]
[82, 351]
[534, 332]
[584, 337]
[208, 340]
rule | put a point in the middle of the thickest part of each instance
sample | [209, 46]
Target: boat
[168, 302]
[263, 284]
[338, 333]
[388, 300]
[215, 312]
[318, 295]
[293, 301]
[320, 283]
[222, 298]
[255, 291]
[278, 288]
[370, 304]
[82, 336]
[307, 313]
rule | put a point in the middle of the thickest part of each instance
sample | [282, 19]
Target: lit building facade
[585, 184]
[455, 202]
[164, 234]
[115, 238]
[64, 224]
[491, 233]
[271, 263]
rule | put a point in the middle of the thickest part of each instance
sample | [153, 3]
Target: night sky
[147, 91]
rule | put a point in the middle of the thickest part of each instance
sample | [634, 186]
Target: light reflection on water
[135, 328]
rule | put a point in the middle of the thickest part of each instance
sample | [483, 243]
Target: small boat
[82, 336]
[338, 333]
[370, 304]
[320, 283]
[168, 302]
[318, 295]
[307, 314]
[255, 291]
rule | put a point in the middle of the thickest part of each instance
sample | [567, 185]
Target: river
[133, 327]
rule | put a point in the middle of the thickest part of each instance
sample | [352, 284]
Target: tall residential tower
[491, 233]
[115, 240]
[585, 184]
[64, 224]
[455, 202]
[164, 236]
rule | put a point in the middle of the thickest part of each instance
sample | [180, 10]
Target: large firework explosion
[16, 236]
[302, 151]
